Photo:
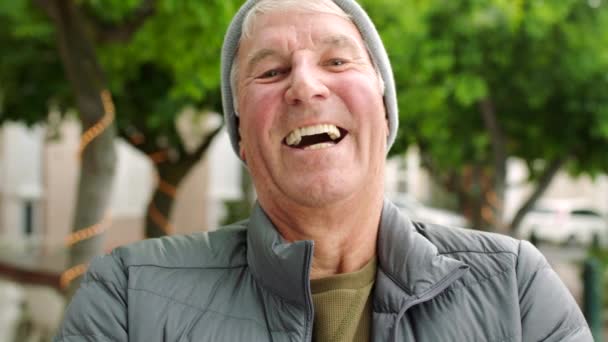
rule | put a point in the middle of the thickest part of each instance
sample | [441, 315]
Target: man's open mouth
[315, 137]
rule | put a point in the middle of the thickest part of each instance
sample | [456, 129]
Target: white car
[561, 222]
[419, 212]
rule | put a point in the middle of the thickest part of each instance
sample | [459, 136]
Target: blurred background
[111, 132]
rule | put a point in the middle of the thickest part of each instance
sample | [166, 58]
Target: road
[562, 254]
[566, 262]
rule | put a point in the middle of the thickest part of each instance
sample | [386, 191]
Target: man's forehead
[266, 41]
[329, 41]
[316, 28]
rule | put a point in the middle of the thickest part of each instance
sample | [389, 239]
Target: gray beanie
[370, 36]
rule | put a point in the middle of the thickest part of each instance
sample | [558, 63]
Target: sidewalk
[571, 274]
[39, 308]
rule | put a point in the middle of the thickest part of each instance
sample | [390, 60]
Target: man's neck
[345, 235]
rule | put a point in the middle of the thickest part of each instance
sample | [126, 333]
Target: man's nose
[306, 85]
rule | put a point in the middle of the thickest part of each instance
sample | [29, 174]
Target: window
[28, 218]
[585, 212]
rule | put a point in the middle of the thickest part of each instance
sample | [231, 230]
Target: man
[310, 106]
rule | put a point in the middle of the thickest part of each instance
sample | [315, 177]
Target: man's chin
[320, 195]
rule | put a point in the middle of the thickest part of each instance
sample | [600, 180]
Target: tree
[88, 85]
[482, 81]
[155, 75]
[155, 58]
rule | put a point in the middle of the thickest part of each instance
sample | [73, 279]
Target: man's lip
[310, 124]
[342, 129]
[343, 134]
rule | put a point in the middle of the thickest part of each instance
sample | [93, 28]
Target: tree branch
[205, 145]
[543, 183]
[448, 179]
[47, 7]
[145, 146]
[124, 31]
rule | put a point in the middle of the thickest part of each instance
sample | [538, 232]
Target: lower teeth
[319, 146]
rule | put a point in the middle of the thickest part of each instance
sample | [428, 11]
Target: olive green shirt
[342, 304]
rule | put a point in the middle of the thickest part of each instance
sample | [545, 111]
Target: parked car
[419, 212]
[564, 223]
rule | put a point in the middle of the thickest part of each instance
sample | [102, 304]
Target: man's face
[305, 79]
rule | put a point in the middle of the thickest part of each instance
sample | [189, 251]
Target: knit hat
[369, 35]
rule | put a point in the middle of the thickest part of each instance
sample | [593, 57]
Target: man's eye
[270, 73]
[336, 62]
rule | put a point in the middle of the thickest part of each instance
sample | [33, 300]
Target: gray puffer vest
[245, 283]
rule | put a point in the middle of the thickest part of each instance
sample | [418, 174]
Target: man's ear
[241, 147]
[388, 129]
[242, 151]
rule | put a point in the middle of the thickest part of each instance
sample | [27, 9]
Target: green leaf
[469, 89]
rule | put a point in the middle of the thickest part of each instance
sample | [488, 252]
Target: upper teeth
[295, 137]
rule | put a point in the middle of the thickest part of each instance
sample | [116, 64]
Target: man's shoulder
[222, 248]
[452, 240]
[488, 254]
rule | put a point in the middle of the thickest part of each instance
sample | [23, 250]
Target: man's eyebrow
[331, 41]
[340, 41]
[255, 57]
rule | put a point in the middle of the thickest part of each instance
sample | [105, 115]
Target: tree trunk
[474, 188]
[170, 176]
[157, 218]
[471, 192]
[98, 157]
[493, 198]
[541, 186]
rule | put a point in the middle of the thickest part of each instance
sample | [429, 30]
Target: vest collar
[409, 265]
[407, 262]
[280, 266]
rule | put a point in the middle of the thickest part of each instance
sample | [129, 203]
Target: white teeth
[295, 137]
[334, 132]
[319, 146]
